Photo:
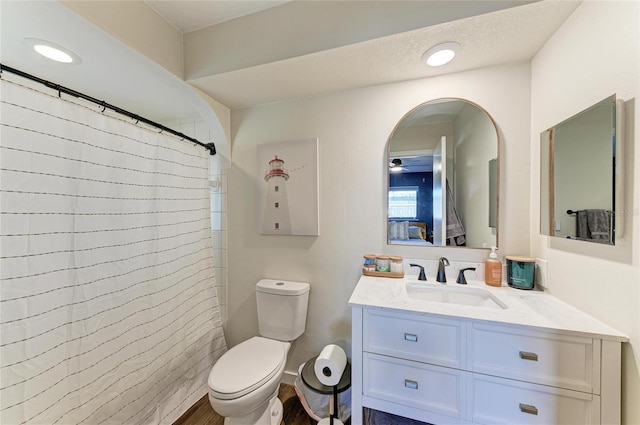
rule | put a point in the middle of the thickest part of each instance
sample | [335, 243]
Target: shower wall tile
[218, 202]
[224, 314]
[220, 255]
[218, 220]
[218, 167]
[221, 278]
[222, 293]
[219, 239]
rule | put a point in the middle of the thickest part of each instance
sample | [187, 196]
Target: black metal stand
[311, 380]
[335, 405]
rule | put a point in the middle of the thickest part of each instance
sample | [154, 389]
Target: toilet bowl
[244, 382]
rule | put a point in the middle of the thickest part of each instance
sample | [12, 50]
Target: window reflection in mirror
[578, 169]
[443, 169]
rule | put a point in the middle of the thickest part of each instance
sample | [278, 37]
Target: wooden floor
[201, 413]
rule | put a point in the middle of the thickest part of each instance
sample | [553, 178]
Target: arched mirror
[443, 166]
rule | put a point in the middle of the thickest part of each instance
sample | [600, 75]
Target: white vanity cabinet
[521, 375]
[456, 370]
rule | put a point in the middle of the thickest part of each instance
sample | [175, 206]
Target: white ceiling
[109, 71]
[509, 35]
[114, 72]
[191, 15]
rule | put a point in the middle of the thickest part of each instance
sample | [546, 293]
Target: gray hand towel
[594, 225]
[582, 228]
[456, 234]
[599, 223]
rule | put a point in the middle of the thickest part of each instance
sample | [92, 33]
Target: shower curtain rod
[61, 89]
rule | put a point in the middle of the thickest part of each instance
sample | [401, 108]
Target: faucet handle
[461, 279]
[421, 276]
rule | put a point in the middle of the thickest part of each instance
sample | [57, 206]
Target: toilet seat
[246, 367]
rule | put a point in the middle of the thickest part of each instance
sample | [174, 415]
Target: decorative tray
[383, 274]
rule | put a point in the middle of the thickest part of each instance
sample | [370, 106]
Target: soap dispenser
[493, 269]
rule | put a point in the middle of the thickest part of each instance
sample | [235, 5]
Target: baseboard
[288, 377]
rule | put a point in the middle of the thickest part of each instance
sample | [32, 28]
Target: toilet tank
[282, 308]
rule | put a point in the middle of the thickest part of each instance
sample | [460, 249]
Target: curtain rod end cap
[211, 147]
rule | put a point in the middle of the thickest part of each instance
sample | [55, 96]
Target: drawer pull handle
[411, 384]
[525, 355]
[410, 337]
[526, 408]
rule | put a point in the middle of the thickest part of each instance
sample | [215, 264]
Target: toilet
[244, 382]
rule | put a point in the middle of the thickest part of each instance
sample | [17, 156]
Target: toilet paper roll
[330, 364]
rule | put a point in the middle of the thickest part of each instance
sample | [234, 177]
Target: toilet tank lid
[282, 287]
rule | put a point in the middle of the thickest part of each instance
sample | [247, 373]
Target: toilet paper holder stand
[310, 379]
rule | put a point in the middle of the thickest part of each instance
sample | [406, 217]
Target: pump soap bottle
[493, 269]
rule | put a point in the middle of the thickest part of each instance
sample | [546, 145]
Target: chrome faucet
[442, 277]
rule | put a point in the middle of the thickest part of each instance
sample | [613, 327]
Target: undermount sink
[476, 297]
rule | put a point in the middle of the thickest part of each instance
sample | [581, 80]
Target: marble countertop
[534, 309]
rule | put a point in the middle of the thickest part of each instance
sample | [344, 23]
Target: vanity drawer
[544, 358]
[435, 389]
[414, 337]
[504, 401]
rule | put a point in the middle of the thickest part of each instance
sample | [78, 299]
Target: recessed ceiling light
[52, 51]
[440, 54]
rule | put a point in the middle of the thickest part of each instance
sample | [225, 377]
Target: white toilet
[244, 382]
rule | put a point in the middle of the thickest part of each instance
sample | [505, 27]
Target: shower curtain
[108, 307]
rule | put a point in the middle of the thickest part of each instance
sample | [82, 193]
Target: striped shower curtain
[108, 307]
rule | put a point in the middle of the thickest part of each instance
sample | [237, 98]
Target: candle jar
[369, 263]
[382, 263]
[395, 264]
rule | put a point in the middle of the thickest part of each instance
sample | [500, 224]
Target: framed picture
[288, 182]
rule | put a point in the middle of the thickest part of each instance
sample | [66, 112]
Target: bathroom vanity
[454, 354]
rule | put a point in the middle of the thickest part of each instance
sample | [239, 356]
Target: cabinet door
[504, 401]
[435, 389]
[414, 337]
[539, 357]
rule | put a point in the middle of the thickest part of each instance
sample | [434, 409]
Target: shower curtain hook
[104, 106]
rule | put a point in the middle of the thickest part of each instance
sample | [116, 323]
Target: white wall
[474, 143]
[135, 23]
[353, 128]
[594, 54]
[421, 137]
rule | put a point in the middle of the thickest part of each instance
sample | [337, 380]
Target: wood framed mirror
[581, 175]
[444, 176]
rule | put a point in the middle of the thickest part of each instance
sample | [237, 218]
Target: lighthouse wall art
[288, 188]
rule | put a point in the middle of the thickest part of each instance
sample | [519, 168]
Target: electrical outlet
[542, 275]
